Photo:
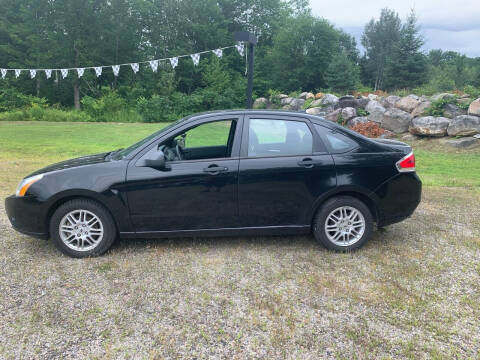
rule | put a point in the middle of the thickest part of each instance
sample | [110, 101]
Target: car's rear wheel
[82, 227]
[343, 223]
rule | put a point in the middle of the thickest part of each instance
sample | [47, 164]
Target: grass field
[412, 292]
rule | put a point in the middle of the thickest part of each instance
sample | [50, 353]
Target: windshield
[125, 152]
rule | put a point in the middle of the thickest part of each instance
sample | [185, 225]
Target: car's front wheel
[81, 228]
[343, 223]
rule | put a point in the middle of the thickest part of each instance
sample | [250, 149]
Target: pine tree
[342, 74]
[407, 66]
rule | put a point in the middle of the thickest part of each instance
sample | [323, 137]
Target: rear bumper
[398, 198]
[27, 215]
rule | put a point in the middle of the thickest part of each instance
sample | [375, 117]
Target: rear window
[336, 142]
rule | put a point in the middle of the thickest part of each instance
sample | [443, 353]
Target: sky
[447, 25]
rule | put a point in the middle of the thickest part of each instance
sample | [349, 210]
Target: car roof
[314, 118]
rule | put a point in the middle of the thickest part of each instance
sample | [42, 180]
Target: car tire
[343, 223]
[82, 227]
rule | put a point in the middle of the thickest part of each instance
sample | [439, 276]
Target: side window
[336, 142]
[210, 140]
[269, 137]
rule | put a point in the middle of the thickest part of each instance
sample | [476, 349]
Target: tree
[378, 39]
[407, 65]
[342, 74]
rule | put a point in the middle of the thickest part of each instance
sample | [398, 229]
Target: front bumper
[27, 215]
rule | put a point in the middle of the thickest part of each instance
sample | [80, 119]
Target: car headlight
[26, 183]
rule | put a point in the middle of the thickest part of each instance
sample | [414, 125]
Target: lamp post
[251, 39]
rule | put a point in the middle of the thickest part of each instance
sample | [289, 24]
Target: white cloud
[449, 25]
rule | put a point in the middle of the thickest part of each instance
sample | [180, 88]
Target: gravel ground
[412, 292]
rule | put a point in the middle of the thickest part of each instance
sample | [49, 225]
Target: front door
[198, 188]
[284, 168]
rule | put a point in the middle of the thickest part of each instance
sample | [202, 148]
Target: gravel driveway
[412, 292]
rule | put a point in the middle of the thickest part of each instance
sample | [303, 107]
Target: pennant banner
[174, 62]
[154, 65]
[134, 67]
[195, 58]
[116, 69]
[240, 47]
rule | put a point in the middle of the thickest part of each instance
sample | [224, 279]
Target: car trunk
[395, 145]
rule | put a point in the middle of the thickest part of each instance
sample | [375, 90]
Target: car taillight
[406, 164]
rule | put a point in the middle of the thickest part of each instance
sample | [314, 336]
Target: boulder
[317, 111]
[408, 103]
[463, 142]
[303, 95]
[282, 96]
[396, 120]
[420, 109]
[316, 103]
[443, 96]
[260, 103]
[286, 107]
[329, 99]
[474, 108]
[296, 104]
[429, 126]
[348, 113]
[390, 101]
[347, 101]
[310, 96]
[465, 101]
[372, 97]
[334, 115]
[464, 125]
[357, 120]
[363, 101]
[451, 111]
[286, 100]
[387, 135]
[319, 95]
[376, 111]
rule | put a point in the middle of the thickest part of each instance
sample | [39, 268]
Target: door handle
[307, 163]
[214, 169]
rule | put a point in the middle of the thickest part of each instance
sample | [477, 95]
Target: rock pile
[457, 116]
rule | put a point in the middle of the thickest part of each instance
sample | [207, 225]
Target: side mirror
[154, 160]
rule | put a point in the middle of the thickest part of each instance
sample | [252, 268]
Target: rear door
[284, 167]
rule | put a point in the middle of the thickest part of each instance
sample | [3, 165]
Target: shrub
[369, 129]
[37, 113]
[11, 99]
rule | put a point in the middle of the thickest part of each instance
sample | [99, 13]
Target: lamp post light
[251, 39]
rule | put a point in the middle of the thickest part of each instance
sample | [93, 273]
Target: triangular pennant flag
[64, 73]
[154, 65]
[48, 73]
[98, 71]
[174, 62]
[17, 72]
[116, 69]
[240, 48]
[218, 52]
[4, 73]
[195, 58]
[80, 72]
[134, 67]
[33, 73]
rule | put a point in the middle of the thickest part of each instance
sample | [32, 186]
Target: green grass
[44, 142]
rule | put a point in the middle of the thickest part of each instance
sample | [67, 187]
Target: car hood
[72, 163]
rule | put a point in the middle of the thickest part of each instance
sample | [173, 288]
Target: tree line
[296, 51]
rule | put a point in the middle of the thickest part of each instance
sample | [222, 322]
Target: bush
[37, 113]
[11, 99]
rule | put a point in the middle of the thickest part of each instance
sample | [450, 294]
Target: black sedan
[223, 173]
